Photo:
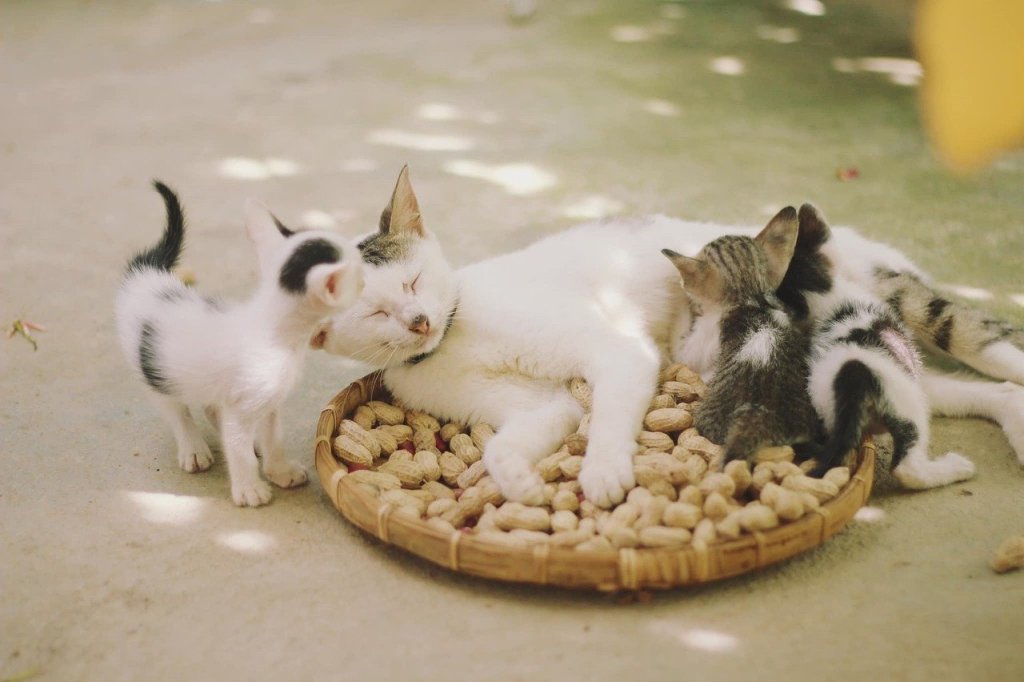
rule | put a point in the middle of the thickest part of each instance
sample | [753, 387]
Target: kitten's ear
[814, 231]
[264, 229]
[336, 285]
[402, 214]
[699, 276]
[778, 240]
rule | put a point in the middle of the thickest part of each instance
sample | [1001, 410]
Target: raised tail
[164, 255]
[855, 392]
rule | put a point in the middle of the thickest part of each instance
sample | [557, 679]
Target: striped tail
[164, 255]
[856, 391]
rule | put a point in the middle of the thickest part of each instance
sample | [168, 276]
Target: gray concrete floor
[115, 565]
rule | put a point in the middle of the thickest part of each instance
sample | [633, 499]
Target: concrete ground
[116, 565]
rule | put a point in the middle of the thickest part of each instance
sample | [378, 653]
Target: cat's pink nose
[420, 325]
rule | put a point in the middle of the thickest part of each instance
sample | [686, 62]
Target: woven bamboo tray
[610, 570]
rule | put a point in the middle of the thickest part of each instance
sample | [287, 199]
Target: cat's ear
[337, 284]
[265, 231]
[814, 231]
[699, 276]
[402, 214]
[778, 240]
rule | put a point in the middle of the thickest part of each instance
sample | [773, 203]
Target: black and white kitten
[864, 371]
[758, 395]
[238, 361]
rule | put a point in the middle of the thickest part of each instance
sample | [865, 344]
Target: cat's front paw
[516, 480]
[251, 494]
[606, 480]
[195, 458]
[289, 475]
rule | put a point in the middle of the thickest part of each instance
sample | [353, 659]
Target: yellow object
[973, 91]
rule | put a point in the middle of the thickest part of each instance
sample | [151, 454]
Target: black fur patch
[904, 436]
[840, 314]
[936, 306]
[808, 272]
[305, 256]
[944, 334]
[165, 254]
[382, 248]
[148, 361]
[855, 390]
[281, 227]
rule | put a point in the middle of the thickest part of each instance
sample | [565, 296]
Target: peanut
[365, 417]
[411, 474]
[651, 512]
[823, 490]
[692, 495]
[729, 527]
[621, 536]
[1009, 555]
[451, 467]
[439, 490]
[704, 532]
[838, 476]
[570, 538]
[440, 506]
[462, 445]
[428, 460]
[715, 506]
[663, 488]
[563, 519]
[638, 496]
[563, 500]
[351, 451]
[656, 440]
[739, 472]
[515, 515]
[548, 467]
[400, 498]
[580, 390]
[440, 524]
[380, 479]
[668, 420]
[360, 435]
[400, 432]
[400, 456]
[471, 475]
[718, 483]
[758, 517]
[681, 515]
[421, 420]
[669, 373]
[386, 413]
[596, 543]
[576, 443]
[778, 453]
[660, 536]
[424, 439]
[450, 430]
[571, 466]
[663, 400]
[481, 433]
[681, 391]
[385, 440]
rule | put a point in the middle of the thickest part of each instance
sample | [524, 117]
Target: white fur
[238, 361]
[758, 347]
[597, 301]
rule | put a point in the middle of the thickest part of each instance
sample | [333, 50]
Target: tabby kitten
[758, 395]
[864, 370]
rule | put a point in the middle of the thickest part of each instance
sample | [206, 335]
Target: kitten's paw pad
[251, 494]
[197, 458]
[517, 482]
[605, 483]
[289, 475]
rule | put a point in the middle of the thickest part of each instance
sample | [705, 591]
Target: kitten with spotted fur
[239, 361]
[758, 395]
[865, 369]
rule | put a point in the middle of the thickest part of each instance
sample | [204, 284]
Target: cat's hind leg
[279, 470]
[1003, 403]
[623, 380]
[237, 436]
[533, 428]
[193, 452]
[912, 466]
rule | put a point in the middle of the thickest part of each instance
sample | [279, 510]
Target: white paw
[288, 475]
[949, 468]
[251, 494]
[606, 480]
[516, 480]
[196, 458]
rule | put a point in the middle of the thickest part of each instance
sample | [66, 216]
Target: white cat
[498, 340]
[239, 361]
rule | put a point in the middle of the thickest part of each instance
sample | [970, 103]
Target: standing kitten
[238, 361]
[758, 395]
[864, 374]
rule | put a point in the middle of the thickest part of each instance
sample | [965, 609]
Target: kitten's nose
[420, 325]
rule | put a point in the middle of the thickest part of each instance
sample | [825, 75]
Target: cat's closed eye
[381, 312]
[412, 287]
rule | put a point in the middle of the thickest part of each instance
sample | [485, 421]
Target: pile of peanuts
[433, 471]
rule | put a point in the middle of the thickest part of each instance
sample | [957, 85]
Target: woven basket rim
[605, 570]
